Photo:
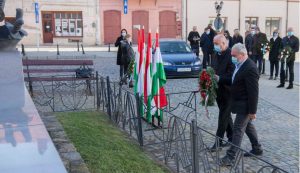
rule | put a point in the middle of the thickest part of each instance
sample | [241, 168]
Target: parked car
[179, 59]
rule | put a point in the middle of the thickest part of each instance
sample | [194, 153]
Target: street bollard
[82, 49]
[57, 49]
[23, 50]
[108, 47]
[78, 49]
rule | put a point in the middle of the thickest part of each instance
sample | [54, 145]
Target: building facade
[165, 15]
[241, 14]
[61, 22]
[99, 22]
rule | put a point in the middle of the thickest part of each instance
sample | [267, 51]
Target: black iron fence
[177, 140]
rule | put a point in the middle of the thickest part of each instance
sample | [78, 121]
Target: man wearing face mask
[293, 42]
[259, 39]
[274, 55]
[194, 39]
[244, 98]
[249, 43]
[119, 55]
[224, 70]
[206, 46]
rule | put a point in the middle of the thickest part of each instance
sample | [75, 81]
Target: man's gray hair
[240, 48]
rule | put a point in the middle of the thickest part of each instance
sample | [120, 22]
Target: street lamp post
[218, 23]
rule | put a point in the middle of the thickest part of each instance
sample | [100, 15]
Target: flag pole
[158, 100]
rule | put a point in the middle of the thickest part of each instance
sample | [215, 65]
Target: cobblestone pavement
[277, 117]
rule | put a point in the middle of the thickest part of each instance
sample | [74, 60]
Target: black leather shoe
[290, 87]
[271, 78]
[280, 86]
[257, 152]
[226, 161]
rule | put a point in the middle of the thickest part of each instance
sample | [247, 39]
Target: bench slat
[31, 62]
[49, 79]
[48, 70]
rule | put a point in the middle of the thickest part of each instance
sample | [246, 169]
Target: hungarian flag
[158, 81]
[148, 79]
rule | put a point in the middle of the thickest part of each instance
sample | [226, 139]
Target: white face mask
[123, 34]
[252, 32]
[208, 32]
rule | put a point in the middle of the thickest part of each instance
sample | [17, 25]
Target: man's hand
[252, 116]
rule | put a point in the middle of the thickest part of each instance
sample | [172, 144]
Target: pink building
[165, 15]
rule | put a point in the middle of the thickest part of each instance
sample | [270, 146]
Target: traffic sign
[36, 11]
[125, 6]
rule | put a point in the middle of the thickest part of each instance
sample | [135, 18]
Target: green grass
[103, 147]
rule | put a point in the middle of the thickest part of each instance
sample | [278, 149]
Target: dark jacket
[293, 42]
[237, 39]
[258, 39]
[276, 47]
[127, 53]
[245, 89]
[194, 43]
[249, 42]
[230, 43]
[205, 43]
[118, 44]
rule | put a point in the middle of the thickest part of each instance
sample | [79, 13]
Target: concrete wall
[89, 14]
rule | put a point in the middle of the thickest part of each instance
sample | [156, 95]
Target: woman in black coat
[276, 46]
[119, 56]
[229, 38]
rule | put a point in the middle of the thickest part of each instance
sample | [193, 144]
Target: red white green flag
[148, 79]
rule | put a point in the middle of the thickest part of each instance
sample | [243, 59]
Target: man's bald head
[221, 40]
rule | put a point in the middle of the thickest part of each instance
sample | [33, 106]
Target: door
[140, 18]
[167, 24]
[47, 27]
[112, 26]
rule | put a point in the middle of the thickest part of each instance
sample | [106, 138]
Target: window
[68, 24]
[224, 19]
[272, 23]
[250, 21]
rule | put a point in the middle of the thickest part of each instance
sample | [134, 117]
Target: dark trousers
[196, 51]
[241, 125]
[123, 70]
[274, 64]
[259, 61]
[225, 123]
[290, 66]
[207, 59]
[263, 66]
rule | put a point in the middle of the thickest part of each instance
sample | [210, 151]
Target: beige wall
[89, 14]
[200, 10]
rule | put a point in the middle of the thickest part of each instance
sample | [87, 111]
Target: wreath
[208, 87]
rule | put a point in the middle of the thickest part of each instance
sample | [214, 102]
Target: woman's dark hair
[124, 30]
[227, 32]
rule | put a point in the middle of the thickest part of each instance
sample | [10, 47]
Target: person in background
[127, 56]
[293, 42]
[212, 35]
[274, 54]
[194, 39]
[119, 55]
[205, 44]
[244, 97]
[249, 43]
[224, 70]
[237, 38]
[259, 39]
[228, 38]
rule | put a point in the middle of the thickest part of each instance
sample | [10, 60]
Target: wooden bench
[50, 64]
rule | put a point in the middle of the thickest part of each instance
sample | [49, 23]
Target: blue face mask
[290, 33]
[217, 48]
[234, 60]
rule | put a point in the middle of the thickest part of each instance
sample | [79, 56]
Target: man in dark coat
[249, 43]
[127, 56]
[224, 69]
[274, 54]
[206, 46]
[119, 55]
[293, 42]
[237, 38]
[244, 98]
[259, 39]
[194, 39]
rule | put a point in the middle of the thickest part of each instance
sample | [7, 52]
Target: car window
[174, 47]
